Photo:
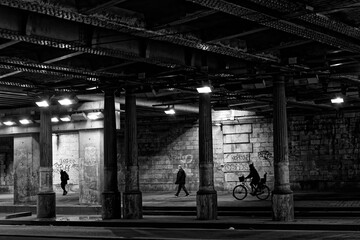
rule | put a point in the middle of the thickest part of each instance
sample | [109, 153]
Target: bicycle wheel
[239, 192]
[263, 192]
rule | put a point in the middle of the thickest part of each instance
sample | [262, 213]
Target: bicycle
[262, 192]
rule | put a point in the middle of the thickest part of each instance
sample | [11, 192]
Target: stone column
[111, 202]
[206, 197]
[132, 196]
[282, 197]
[46, 204]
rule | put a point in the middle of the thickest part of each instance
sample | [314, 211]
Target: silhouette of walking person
[180, 180]
[64, 177]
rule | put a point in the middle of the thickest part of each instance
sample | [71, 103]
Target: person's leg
[252, 187]
[63, 187]
[178, 190]
[185, 190]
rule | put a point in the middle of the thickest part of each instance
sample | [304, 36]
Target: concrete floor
[225, 199]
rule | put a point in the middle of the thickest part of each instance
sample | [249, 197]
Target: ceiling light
[95, 115]
[80, 116]
[204, 89]
[25, 121]
[9, 123]
[55, 119]
[42, 103]
[65, 101]
[170, 111]
[337, 100]
[66, 118]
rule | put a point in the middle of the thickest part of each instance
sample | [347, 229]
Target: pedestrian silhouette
[64, 177]
[180, 180]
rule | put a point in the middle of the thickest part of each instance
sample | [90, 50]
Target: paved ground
[69, 212]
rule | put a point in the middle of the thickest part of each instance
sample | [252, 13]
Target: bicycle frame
[241, 190]
[246, 184]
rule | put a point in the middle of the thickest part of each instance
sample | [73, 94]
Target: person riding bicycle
[255, 178]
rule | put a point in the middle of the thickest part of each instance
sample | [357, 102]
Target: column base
[46, 205]
[111, 205]
[206, 205]
[132, 208]
[282, 207]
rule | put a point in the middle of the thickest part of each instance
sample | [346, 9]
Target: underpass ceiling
[166, 48]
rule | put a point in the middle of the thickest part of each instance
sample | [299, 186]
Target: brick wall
[6, 165]
[238, 138]
[324, 152]
[66, 157]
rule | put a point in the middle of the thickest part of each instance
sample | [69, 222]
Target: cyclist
[255, 178]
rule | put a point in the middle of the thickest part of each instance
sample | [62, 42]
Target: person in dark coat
[64, 177]
[255, 178]
[180, 179]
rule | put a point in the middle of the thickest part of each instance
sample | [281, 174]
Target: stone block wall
[66, 157]
[91, 166]
[26, 168]
[161, 148]
[235, 143]
[247, 141]
[324, 152]
[6, 165]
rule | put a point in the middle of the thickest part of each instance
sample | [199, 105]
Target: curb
[261, 224]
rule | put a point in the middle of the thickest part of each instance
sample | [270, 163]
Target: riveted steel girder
[282, 25]
[289, 8]
[134, 27]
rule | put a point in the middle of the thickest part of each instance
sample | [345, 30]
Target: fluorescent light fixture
[55, 119]
[9, 123]
[95, 115]
[66, 118]
[337, 100]
[80, 116]
[42, 103]
[25, 121]
[170, 111]
[65, 101]
[204, 89]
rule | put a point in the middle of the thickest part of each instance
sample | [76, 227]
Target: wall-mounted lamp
[170, 111]
[95, 115]
[337, 100]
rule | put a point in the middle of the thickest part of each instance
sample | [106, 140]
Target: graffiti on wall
[181, 159]
[235, 167]
[267, 156]
[66, 164]
[25, 179]
[89, 173]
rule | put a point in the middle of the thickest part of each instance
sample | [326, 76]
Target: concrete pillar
[46, 204]
[132, 196]
[111, 202]
[282, 197]
[206, 197]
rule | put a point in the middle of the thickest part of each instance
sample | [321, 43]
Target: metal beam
[103, 6]
[242, 34]
[8, 44]
[188, 18]
[126, 25]
[268, 19]
[48, 61]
